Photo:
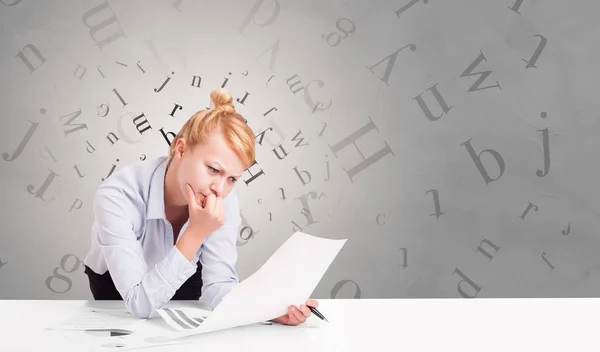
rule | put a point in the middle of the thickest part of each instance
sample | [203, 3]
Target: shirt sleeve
[218, 256]
[143, 289]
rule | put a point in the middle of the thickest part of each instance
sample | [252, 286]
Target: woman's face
[210, 167]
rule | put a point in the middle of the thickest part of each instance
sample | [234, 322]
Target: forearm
[189, 243]
[158, 285]
[152, 292]
[218, 258]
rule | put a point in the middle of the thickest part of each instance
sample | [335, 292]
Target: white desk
[355, 325]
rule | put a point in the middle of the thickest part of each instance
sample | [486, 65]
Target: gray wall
[477, 122]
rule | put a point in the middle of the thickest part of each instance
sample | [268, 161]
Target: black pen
[317, 313]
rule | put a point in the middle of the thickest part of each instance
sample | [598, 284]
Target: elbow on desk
[138, 311]
[137, 308]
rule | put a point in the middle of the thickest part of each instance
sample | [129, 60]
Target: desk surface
[544, 324]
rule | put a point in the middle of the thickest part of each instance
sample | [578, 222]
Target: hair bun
[222, 100]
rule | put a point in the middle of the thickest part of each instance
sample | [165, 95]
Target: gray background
[487, 191]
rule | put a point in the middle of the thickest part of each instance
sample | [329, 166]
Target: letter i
[225, 82]
[111, 170]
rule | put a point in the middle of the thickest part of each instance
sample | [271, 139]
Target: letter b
[477, 159]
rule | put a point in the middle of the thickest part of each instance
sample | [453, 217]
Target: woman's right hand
[204, 220]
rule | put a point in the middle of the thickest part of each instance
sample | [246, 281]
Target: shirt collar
[156, 195]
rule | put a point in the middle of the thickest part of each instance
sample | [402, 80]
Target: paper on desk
[183, 318]
[100, 319]
[288, 277]
[133, 342]
[186, 318]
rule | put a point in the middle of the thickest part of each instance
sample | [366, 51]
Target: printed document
[287, 278]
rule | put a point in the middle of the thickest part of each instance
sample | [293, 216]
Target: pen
[317, 313]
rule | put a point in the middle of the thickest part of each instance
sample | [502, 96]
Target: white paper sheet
[188, 319]
[288, 277]
[93, 330]
[100, 319]
[136, 341]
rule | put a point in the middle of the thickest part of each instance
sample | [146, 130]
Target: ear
[180, 147]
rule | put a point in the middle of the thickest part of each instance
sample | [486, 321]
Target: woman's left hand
[297, 315]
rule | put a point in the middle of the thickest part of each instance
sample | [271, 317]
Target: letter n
[26, 61]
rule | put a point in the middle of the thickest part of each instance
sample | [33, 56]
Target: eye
[233, 179]
[213, 170]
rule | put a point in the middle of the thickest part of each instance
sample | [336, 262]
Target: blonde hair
[238, 135]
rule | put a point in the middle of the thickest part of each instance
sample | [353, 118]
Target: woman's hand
[206, 218]
[297, 315]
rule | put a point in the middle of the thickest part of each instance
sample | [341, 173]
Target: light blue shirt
[132, 239]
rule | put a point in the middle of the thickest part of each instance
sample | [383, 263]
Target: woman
[166, 228]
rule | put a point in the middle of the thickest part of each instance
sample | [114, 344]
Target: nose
[217, 187]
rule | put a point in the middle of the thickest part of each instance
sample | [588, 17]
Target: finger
[191, 197]
[219, 209]
[297, 315]
[209, 204]
[291, 318]
[312, 303]
[304, 309]
[215, 205]
[282, 319]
